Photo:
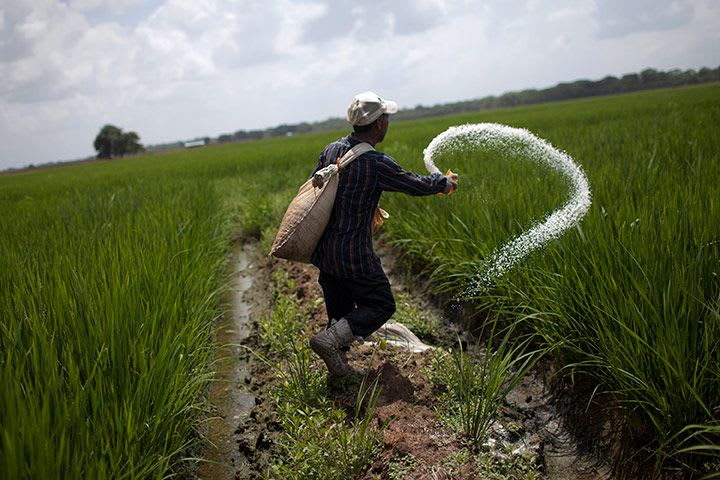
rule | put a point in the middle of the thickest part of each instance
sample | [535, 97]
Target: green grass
[110, 274]
[107, 304]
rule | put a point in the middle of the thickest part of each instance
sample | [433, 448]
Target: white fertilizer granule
[522, 144]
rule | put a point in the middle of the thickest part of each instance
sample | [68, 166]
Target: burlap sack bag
[309, 212]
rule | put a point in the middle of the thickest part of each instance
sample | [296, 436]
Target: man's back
[345, 249]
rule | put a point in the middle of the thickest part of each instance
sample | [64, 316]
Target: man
[357, 292]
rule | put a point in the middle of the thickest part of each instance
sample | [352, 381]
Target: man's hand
[452, 183]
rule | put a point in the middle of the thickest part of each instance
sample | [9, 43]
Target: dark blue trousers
[367, 303]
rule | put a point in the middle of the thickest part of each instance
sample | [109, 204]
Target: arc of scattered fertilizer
[528, 146]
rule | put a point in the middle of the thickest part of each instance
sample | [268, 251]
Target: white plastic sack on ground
[399, 335]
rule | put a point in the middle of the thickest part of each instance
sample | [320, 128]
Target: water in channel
[229, 392]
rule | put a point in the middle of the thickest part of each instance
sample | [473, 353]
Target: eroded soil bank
[528, 441]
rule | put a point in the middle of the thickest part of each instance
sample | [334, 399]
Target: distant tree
[630, 82]
[113, 142]
[303, 127]
[131, 143]
[706, 74]
[607, 85]
[107, 140]
[650, 77]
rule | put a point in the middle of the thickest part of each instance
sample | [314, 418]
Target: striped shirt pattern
[345, 249]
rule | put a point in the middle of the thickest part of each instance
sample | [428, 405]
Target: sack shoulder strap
[353, 153]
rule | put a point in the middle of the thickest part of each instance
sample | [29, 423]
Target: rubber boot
[327, 345]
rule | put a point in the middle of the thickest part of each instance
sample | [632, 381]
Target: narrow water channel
[229, 392]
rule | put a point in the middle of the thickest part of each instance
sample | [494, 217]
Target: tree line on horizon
[647, 79]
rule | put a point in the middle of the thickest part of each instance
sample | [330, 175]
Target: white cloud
[114, 6]
[175, 69]
[560, 42]
[370, 21]
[618, 18]
[579, 9]
[292, 23]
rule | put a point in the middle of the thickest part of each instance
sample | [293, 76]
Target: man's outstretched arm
[393, 178]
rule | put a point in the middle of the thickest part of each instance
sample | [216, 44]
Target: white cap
[367, 107]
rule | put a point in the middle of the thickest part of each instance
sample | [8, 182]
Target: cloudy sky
[179, 69]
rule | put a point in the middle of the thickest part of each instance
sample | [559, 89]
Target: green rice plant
[632, 294]
[110, 283]
[475, 388]
[109, 294]
[322, 443]
[704, 449]
[643, 321]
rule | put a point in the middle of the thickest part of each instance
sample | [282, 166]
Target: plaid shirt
[345, 249]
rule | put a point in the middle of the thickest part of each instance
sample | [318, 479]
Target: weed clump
[474, 386]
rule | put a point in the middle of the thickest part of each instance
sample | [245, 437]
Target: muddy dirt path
[243, 427]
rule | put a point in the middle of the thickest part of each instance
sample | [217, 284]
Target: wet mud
[230, 395]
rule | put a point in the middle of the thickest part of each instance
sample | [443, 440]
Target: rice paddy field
[111, 275]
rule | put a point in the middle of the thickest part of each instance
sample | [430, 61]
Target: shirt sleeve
[321, 160]
[392, 178]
